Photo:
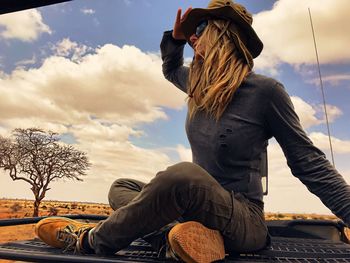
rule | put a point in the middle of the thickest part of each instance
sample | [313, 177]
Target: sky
[91, 71]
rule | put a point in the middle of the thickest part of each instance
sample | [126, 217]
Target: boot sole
[195, 243]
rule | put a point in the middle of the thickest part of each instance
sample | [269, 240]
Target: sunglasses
[200, 28]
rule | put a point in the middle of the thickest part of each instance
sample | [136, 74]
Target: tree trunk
[36, 208]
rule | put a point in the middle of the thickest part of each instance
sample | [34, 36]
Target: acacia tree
[38, 158]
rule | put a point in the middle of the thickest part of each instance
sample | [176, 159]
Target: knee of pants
[115, 196]
[183, 174]
[119, 182]
[116, 184]
[111, 193]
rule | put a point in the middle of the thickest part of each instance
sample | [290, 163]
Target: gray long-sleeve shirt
[231, 149]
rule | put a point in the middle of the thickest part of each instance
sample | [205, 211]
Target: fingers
[177, 31]
[180, 18]
[186, 13]
[178, 15]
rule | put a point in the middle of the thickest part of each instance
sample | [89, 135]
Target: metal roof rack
[292, 241]
[8, 6]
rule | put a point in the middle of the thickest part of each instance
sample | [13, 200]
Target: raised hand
[177, 32]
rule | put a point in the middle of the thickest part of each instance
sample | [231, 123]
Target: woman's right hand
[177, 32]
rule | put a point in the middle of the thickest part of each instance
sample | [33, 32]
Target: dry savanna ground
[18, 208]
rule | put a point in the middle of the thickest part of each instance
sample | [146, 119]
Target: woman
[232, 112]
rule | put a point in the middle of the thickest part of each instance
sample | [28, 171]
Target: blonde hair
[214, 80]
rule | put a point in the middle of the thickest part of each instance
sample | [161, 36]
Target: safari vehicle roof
[292, 241]
[8, 6]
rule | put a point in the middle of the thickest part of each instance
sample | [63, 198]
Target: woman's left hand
[177, 32]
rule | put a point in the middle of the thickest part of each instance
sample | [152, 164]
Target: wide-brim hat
[227, 10]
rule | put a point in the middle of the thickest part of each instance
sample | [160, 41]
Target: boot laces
[71, 236]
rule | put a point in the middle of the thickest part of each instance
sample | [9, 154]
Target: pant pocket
[247, 231]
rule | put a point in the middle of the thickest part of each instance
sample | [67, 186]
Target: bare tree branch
[38, 158]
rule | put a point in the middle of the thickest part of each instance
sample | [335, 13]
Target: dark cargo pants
[185, 191]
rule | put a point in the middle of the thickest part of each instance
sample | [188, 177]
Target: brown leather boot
[61, 232]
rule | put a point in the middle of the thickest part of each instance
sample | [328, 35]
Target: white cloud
[112, 84]
[98, 97]
[70, 49]
[26, 62]
[184, 153]
[113, 155]
[311, 115]
[334, 80]
[287, 36]
[267, 63]
[333, 112]
[25, 25]
[321, 140]
[87, 11]
[306, 113]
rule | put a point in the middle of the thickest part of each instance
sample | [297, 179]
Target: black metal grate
[299, 250]
[281, 250]
[288, 245]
